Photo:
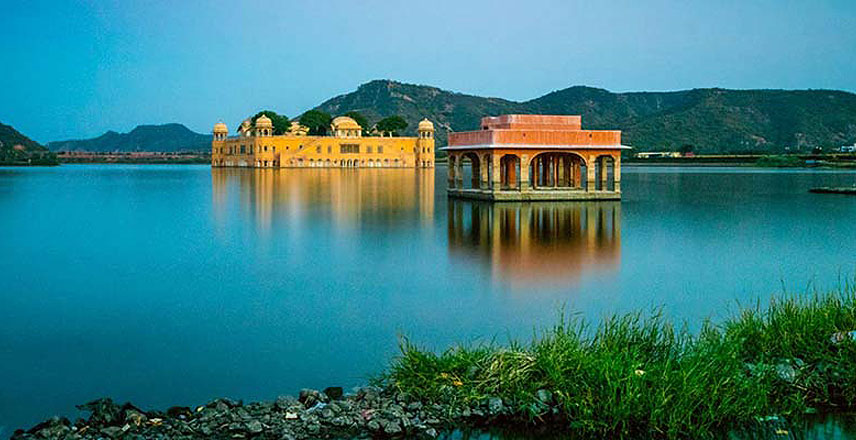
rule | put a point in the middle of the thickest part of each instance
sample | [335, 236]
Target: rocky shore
[368, 412]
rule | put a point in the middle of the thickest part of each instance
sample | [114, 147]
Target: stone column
[484, 162]
[555, 163]
[566, 172]
[496, 173]
[616, 174]
[590, 174]
[578, 173]
[459, 171]
[603, 173]
[453, 160]
[524, 172]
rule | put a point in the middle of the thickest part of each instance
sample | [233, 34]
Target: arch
[509, 171]
[566, 170]
[604, 166]
[328, 163]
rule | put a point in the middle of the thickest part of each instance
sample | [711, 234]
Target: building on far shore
[257, 147]
[535, 157]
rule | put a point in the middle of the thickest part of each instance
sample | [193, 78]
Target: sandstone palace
[255, 146]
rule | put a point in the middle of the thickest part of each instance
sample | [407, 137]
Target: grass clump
[637, 374]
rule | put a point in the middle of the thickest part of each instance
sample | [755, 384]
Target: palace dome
[264, 122]
[425, 125]
[345, 123]
[220, 128]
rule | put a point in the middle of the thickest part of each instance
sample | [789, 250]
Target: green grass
[638, 374]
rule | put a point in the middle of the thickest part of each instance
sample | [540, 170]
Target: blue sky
[76, 69]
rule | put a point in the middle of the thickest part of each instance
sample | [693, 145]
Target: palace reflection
[537, 243]
[345, 197]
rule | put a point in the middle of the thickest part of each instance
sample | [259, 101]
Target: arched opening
[509, 172]
[605, 173]
[472, 173]
[565, 171]
[329, 163]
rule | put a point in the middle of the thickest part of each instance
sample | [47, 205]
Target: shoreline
[634, 375]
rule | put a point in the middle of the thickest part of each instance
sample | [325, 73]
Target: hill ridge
[713, 119]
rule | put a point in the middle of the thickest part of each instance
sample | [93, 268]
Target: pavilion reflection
[537, 243]
[345, 197]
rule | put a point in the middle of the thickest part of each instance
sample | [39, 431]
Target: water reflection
[537, 243]
[347, 197]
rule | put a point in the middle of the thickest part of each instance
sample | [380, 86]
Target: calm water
[172, 285]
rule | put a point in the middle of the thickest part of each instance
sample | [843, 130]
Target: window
[318, 149]
[265, 148]
[368, 149]
[243, 149]
[380, 149]
[349, 148]
[329, 149]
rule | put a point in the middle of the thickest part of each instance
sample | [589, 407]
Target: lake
[167, 285]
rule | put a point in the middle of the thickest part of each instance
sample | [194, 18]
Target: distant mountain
[152, 138]
[17, 149]
[713, 120]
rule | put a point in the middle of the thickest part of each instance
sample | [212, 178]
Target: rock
[494, 406]
[544, 396]
[391, 428]
[334, 393]
[786, 372]
[285, 402]
[112, 431]
[373, 425]
[103, 411]
[254, 426]
[310, 398]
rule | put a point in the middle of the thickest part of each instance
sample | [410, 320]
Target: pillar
[451, 177]
[555, 169]
[484, 162]
[566, 172]
[578, 173]
[603, 173]
[616, 174]
[459, 172]
[590, 174]
[524, 172]
[496, 173]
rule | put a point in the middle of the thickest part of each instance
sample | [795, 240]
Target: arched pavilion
[535, 157]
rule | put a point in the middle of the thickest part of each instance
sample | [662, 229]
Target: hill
[17, 149]
[151, 138]
[713, 120]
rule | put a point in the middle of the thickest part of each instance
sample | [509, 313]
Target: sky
[77, 69]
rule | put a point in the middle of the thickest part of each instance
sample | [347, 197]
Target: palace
[257, 147]
[535, 157]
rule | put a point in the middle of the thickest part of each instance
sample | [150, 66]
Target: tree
[360, 119]
[317, 121]
[686, 149]
[281, 123]
[392, 124]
